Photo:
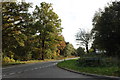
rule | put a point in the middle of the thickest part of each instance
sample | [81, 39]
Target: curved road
[39, 70]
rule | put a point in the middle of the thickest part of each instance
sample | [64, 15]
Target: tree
[15, 21]
[48, 27]
[84, 38]
[80, 51]
[61, 45]
[69, 50]
[106, 29]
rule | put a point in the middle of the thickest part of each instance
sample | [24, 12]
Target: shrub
[89, 61]
[97, 61]
[7, 60]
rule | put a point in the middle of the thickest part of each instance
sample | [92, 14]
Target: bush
[80, 51]
[97, 61]
[89, 61]
[7, 60]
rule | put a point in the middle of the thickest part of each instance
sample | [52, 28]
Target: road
[39, 70]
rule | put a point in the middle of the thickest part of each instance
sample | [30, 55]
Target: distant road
[39, 70]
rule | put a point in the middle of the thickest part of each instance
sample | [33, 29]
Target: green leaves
[20, 39]
[69, 50]
[30, 36]
[106, 29]
[15, 18]
[47, 24]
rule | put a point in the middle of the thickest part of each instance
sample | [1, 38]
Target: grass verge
[32, 61]
[73, 65]
[25, 62]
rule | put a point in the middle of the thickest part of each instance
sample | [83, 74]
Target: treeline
[105, 34]
[36, 35]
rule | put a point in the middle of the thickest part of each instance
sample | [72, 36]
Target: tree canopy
[48, 26]
[80, 51]
[106, 29]
[16, 19]
[28, 36]
[69, 50]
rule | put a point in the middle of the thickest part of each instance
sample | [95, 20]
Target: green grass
[73, 65]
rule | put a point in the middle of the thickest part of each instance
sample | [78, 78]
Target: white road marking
[32, 69]
[11, 73]
[19, 72]
[7, 67]
[26, 70]
[29, 70]
[35, 68]
[4, 75]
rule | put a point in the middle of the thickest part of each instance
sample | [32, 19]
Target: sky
[74, 14]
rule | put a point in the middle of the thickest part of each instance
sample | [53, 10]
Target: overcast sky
[74, 14]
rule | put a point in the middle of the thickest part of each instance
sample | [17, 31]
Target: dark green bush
[97, 61]
[89, 61]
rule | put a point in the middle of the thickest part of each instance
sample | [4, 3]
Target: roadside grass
[25, 62]
[32, 61]
[12, 63]
[74, 65]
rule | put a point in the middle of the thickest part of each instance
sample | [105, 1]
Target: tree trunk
[43, 53]
[42, 57]
[87, 48]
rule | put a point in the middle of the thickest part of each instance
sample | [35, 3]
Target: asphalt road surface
[39, 70]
